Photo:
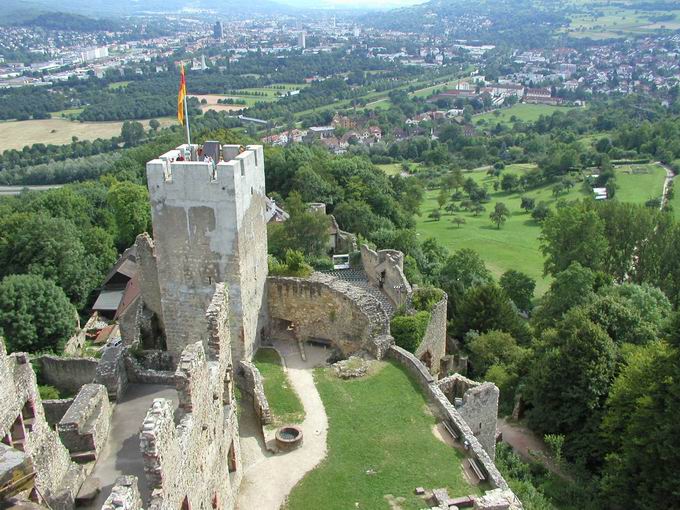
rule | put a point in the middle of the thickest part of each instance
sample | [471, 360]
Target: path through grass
[380, 442]
[283, 401]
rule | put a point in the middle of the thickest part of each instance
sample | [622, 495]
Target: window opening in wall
[427, 359]
[232, 458]
[7, 440]
[216, 500]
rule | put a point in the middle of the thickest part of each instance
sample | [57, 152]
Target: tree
[569, 381]
[495, 348]
[154, 124]
[458, 221]
[519, 287]
[132, 133]
[435, 215]
[540, 212]
[35, 314]
[499, 214]
[509, 182]
[574, 233]
[130, 205]
[442, 197]
[528, 204]
[305, 231]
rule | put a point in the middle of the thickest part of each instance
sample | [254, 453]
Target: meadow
[607, 22]
[520, 111]
[58, 131]
[516, 244]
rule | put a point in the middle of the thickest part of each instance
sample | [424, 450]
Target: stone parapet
[253, 385]
[124, 495]
[433, 345]
[111, 370]
[85, 426]
[67, 374]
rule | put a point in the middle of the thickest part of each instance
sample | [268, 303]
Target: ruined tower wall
[209, 226]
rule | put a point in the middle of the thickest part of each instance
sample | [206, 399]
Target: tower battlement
[209, 226]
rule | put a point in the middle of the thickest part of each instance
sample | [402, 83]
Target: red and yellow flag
[182, 96]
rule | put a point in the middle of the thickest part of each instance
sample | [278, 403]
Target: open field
[212, 103]
[283, 401]
[374, 456]
[618, 21]
[521, 111]
[17, 134]
[516, 244]
[118, 85]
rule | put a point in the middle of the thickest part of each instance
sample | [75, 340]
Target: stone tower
[209, 226]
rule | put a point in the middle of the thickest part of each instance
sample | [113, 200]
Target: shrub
[294, 265]
[48, 392]
[425, 298]
[408, 330]
[320, 263]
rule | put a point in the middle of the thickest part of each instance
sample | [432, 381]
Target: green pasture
[520, 111]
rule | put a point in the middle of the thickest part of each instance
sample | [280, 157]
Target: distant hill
[75, 22]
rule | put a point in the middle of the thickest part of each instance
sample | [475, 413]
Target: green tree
[519, 287]
[528, 204]
[435, 215]
[130, 205]
[132, 133]
[569, 380]
[35, 314]
[495, 348]
[305, 231]
[540, 212]
[500, 214]
[154, 124]
[458, 221]
[442, 197]
[573, 233]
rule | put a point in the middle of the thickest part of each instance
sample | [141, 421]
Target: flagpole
[186, 118]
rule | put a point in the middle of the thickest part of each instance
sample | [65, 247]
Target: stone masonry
[23, 427]
[197, 464]
[432, 348]
[385, 270]
[209, 226]
[85, 426]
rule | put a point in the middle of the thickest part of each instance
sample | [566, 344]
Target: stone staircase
[358, 278]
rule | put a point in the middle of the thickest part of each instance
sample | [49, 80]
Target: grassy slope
[516, 245]
[523, 112]
[377, 423]
[283, 401]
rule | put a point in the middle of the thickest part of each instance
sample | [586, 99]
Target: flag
[182, 96]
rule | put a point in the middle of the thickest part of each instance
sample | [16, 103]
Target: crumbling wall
[85, 426]
[138, 373]
[124, 495]
[129, 322]
[55, 409]
[254, 387]
[433, 345]
[197, 464]
[385, 270]
[23, 426]
[327, 308]
[111, 370]
[209, 226]
[68, 375]
[148, 270]
[450, 414]
[477, 403]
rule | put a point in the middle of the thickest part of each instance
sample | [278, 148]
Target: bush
[408, 330]
[294, 265]
[425, 298]
[48, 392]
[320, 263]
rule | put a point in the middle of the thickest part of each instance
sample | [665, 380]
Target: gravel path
[269, 478]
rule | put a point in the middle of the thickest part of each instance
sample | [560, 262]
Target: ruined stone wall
[450, 414]
[209, 226]
[148, 271]
[325, 307]
[433, 344]
[478, 406]
[67, 374]
[111, 370]
[254, 387]
[385, 269]
[197, 464]
[85, 426]
[138, 373]
[23, 424]
[55, 409]
[124, 495]
[129, 322]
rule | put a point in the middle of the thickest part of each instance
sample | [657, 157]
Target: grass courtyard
[283, 401]
[516, 245]
[380, 446]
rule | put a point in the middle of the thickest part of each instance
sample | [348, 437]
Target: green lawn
[118, 85]
[639, 183]
[380, 443]
[516, 244]
[522, 111]
[283, 401]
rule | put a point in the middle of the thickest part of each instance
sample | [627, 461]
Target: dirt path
[670, 175]
[269, 478]
[527, 445]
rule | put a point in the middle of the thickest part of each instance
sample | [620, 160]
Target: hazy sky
[385, 4]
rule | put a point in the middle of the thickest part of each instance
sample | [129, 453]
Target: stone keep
[209, 226]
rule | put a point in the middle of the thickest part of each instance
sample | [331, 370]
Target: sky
[362, 4]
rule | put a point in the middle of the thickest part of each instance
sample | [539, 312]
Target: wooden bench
[451, 430]
[478, 470]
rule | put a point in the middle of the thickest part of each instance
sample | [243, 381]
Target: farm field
[516, 245]
[17, 134]
[376, 457]
[617, 22]
[522, 111]
[212, 103]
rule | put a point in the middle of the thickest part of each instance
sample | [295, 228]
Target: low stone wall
[56, 409]
[385, 270]
[66, 374]
[433, 345]
[136, 373]
[253, 386]
[111, 371]
[450, 414]
[328, 308]
[124, 495]
[85, 426]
